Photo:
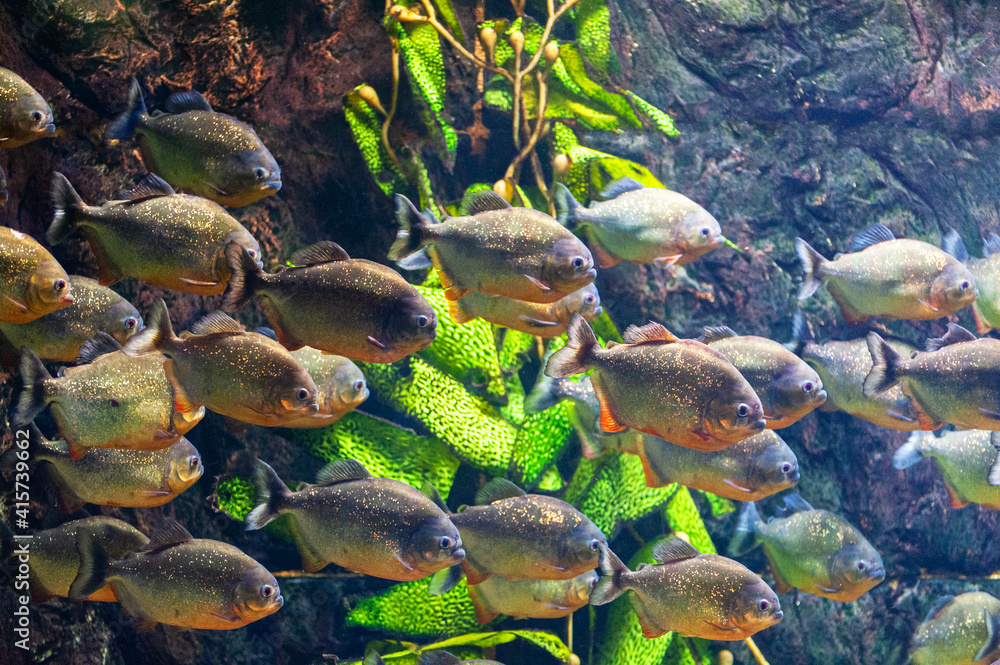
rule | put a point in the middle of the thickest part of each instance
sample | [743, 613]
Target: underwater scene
[527, 332]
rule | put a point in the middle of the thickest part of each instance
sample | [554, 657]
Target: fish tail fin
[547, 393]
[567, 206]
[94, 565]
[445, 580]
[157, 336]
[34, 397]
[992, 635]
[885, 366]
[609, 585]
[271, 494]
[801, 332]
[245, 278]
[994, 477]
[124, 125]
[909, 453]
[68, 208]
[746, 530]
[573, 358]
[412, 229]
[812, 264]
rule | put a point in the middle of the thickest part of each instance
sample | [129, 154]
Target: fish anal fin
[108, 272]
[780, 585]
[474, 575]
[458, 314]
[311, 563]
[182, 404]
[602, 257]
[957, 501]
[652, 477]
[451, 291]
[608, 421]
[280, 329]
[76, 451]
[981, 325]
[648, 629]
[455, 293]
[484, 614]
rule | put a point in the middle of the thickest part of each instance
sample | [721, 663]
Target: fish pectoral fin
[927, 305]
[537, 323]
[377, 344]
[539, 283]
[220, 192]
[989, 413]
[826, 589]
[667, 261]
[702, 434]
[400, 560]
[899, 416]
[735, 486]
[225, 618]
[555, 606]
[165, 433]
[154, 493]
[194, 282]
[721, 628]
[15, 303]
[549, 565]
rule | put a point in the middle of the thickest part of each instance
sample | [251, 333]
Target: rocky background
[813, 118]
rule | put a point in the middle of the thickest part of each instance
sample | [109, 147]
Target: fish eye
[303, 394]
[422, 321]
[593, 582]
[36, 116]
[130, 322]
[578, 261]
[60, 285]
[594, 545]
[260, 173]
[266, 590]
[358, 385]
[763, 606]
[444, 543]
[807, 387]
[862, 566]
[705, 232]
[743, 411]
[193, 461]
[786, 468]
[965, 285]
[252, 253]
[589, 300]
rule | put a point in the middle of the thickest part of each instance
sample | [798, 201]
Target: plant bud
[517, 41]
[551, 53]
[488, 37]
[505, 189]
[561, 164]
[367, 93]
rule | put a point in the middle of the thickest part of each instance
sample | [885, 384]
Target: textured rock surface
[812, 118]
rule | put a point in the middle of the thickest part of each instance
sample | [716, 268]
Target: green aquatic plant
[476, 642]
[235, 497]
[409, 609]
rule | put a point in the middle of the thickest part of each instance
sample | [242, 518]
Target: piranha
[957, 381]
[546, 321]
[811, 550]
[494, 248]
[882, 276]
[179, 580]
[959, 630]
[969, 461]
[376, 526]
[110, 477]
[641, 224]
[240, 374]
[523, 535]
[199, 150]
[701, 595]
[25, 116]
[679, 390]
[340, 385]
[585, 414]
[986, 272]
[54, 562]
[842, 365]
[788, 388]
[32, 283]
[350, 307]
[153, 234]
[749, 470]
[110, 400]
[58, 336]
[527, 598]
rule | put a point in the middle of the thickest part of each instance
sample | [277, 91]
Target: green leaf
[592, 20]
[366, 127]
[447, 12]
[682, 515]
[591, 170]
[575, 70]
[663, 121]
[547, 641]
[408, 609]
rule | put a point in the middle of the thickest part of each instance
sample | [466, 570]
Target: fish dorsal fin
[170, 534]
[795, 504]
[341, 471]
[150, 187]
[100, 344]
[439, 658]
[939, 606]
[497, 490]
[266, 332]
[325, 251]
[711, 334]
[873, 235]
[673, 549]
[621, 186]
[432, 493]
[483, 201]
[216, 322]
[991, 245]
[952, 244]
[651, 332]
[956, 335]
[179, 102]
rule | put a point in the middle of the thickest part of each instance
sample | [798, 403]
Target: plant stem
[392, 107]
[450, 38]
[755, 651]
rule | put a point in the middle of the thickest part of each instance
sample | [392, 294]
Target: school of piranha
[700, 412]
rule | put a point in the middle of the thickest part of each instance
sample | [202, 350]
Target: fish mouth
[794, 477]
[66, 298]
[598, 311]
[274, 184]
[49, 128]
[457, 556]
[592, 273]
[777, 616]
[759, 425]
[821, 398]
